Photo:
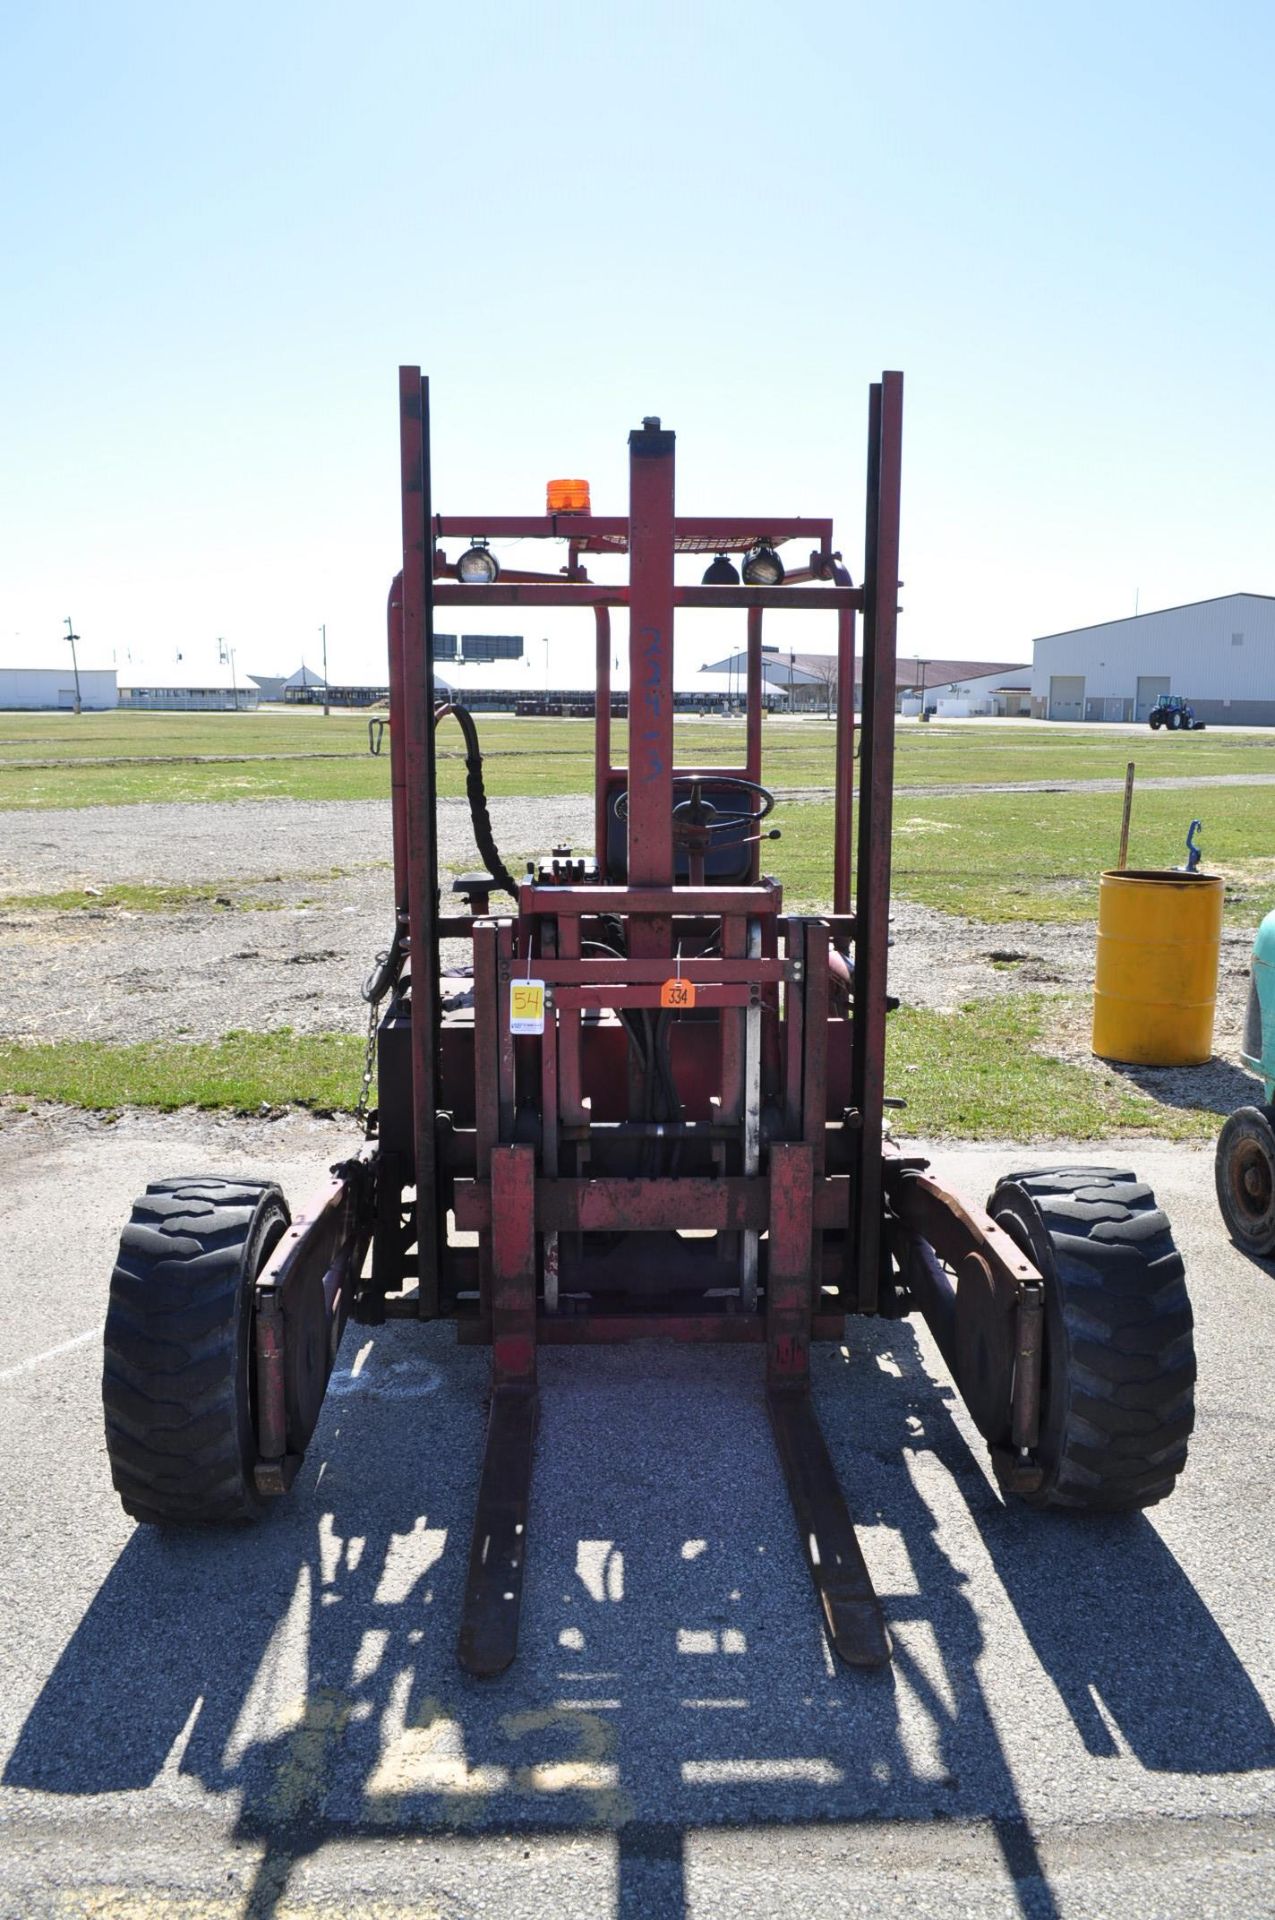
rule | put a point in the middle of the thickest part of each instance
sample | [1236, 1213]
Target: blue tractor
[1245, 1165]
[1175, 713]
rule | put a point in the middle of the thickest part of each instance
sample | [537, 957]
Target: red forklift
[651, 1103]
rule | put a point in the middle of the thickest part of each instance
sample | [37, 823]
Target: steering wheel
[694, 813]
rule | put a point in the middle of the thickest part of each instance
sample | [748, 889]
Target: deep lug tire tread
[1118, 1400]
[174, 1388]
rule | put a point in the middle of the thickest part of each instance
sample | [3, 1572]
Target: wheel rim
[1252, 1182]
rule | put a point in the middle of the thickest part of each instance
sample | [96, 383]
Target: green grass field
[995, 856]
[991, 856]
[983, 1073]
[1011, 857]
[55, 760]
[243, 1072]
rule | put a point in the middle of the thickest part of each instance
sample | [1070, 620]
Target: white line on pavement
[50, 1353]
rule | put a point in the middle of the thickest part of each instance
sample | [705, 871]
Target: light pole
[75, 667]
[227, 656]
[792, 661]
[545, 644]
[324, 631]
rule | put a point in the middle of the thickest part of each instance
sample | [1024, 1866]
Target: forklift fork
[493, 1590]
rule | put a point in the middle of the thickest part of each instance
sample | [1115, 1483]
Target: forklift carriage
[652, 1106]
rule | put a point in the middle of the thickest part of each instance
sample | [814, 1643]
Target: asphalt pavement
[1078, 1720]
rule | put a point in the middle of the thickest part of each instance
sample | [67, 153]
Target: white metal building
[1218, 654]
[1006, 691]
[53, 688]
[200, 690]
[955, 687]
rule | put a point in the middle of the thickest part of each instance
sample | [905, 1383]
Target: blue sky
[222, 228]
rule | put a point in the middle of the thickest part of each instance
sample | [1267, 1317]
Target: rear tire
[1244, 1175]
[178, 1390]
[1117, 1385]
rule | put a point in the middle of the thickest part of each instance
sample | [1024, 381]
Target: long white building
[1218, 654]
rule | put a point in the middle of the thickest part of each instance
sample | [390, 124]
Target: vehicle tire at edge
[1117, 1388]
[178, 1390]
[1244, 1178]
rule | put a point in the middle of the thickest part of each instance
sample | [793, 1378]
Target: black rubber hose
[477, 793]
[388, 965]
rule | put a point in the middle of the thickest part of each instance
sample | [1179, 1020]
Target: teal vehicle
[1245, 1165]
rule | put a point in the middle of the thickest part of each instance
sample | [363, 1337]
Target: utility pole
[324, 631]
[227, 657]
[75, 666]
[924, 670]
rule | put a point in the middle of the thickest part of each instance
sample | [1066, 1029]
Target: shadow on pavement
[1220, 1088]
[672, 1677]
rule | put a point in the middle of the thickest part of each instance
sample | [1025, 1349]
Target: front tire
[178, 1390]
[1244, 1175]
[1117, 1385]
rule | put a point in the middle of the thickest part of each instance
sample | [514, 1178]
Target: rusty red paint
[417, 731]
[766, 897]
[650, 760]
[843, 814]
[598, 533]
[568, 594]
[601, 735]
[610, 1204]
[398, 754]
[513, 1265]
[708, 995]
[789, 1280]
[729, 970]
[753, 695]
[876, 789]
[272, 1426]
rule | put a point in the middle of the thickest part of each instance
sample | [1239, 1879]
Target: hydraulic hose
[389, 964]
[476, 791]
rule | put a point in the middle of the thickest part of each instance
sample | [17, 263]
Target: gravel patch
[1219, 1086]
[251, 839]
[938, 960]
[293, 948]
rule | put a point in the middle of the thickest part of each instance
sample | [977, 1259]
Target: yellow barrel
[1156, 983]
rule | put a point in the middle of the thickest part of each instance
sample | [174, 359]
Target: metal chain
[369, 1070]
[384, 976]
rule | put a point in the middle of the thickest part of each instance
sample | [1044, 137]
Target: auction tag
[678, 993]
[526, 1006]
